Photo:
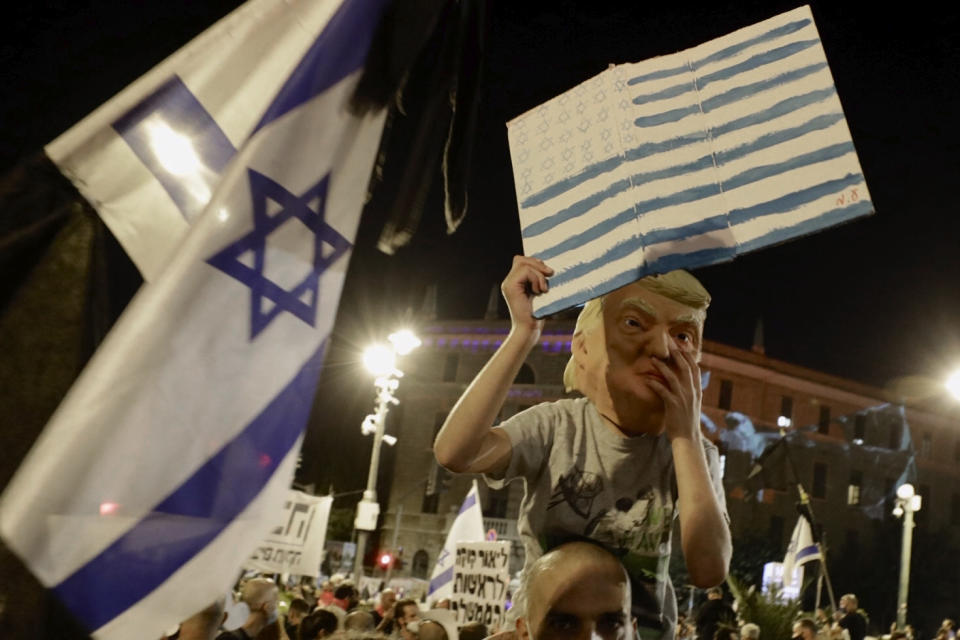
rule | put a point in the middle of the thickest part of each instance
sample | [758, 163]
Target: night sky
[875, 300]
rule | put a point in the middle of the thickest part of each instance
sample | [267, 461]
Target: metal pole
[370, 494]
[905, 565]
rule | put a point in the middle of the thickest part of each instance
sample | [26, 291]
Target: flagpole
[806, 511]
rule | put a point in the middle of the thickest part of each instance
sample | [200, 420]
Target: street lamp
[907, 503]
[953, 384]
[381, 361]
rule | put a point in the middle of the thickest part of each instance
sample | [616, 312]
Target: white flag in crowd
[685, 160]
[468, 527]
[801, 549]
[166, 463]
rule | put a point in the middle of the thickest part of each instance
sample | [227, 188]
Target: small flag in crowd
[171, 455]
[801, 549]
[685, 160]
[468, 527]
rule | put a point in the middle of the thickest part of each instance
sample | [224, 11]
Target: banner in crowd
[481, 579]
[161, 470]
[295, 545]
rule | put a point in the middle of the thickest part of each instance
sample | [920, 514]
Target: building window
[775, 532]
[859, 427]
[525, 375]
[786, 407]
[431, 502]
[450, 367]
[819, 480]
[823, 426]
[896, 434]
[853, 489]
[421, 562]
[926, 446]
[726, 394]
[954, 509]
[497, 502]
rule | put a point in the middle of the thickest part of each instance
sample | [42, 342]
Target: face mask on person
[413, 627]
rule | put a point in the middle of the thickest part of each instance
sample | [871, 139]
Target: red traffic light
[385, 559]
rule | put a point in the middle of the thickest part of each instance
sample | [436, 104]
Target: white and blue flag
[801, 550]
[467, 527]
[685, 160]
[165, 464]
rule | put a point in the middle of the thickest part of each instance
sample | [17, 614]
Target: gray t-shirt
[583, 480]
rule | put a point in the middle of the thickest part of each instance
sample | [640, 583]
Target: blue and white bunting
[685, 160]
[167, 461]
[467, 527]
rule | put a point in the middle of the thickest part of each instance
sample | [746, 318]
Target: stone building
[848, 449]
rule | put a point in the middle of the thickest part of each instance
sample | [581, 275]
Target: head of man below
[577, 591]
[317, 625]
[848, 603]
[260, 596]
[804, 629]
[404, 612]
[388, 598]
[628, 344]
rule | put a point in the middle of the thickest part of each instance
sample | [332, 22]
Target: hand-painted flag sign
[685, 160]
[166, 463]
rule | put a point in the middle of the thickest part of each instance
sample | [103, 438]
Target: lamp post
[381, 361]
[907, 503]
[952, 384]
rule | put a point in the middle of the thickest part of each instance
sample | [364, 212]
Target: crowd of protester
[260, 609]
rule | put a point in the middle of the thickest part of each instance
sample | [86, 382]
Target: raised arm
[704, 532]
[466, 443]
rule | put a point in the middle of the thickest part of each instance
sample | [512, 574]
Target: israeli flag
[167, 461]
[467, 527]
[801, 550]
[685, 160]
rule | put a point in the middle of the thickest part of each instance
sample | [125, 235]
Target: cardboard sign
[481, 578]
[685, 160]
[295, 545]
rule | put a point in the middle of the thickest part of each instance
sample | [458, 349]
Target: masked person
[618, 465]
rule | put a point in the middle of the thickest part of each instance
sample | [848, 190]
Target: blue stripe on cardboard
[728, 52]
[793, 200]
[630, 275]
[756, 174]
[616, 252]
[768, 36]
[673, 115]
[828, 219]
[669, 234]
[757, 61]
[576, 209]
[776, 137]
[781, 108]
[748, 91]
[594, 232]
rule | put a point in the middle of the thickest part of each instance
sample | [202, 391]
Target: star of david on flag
[308, 208]
[167, 461]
